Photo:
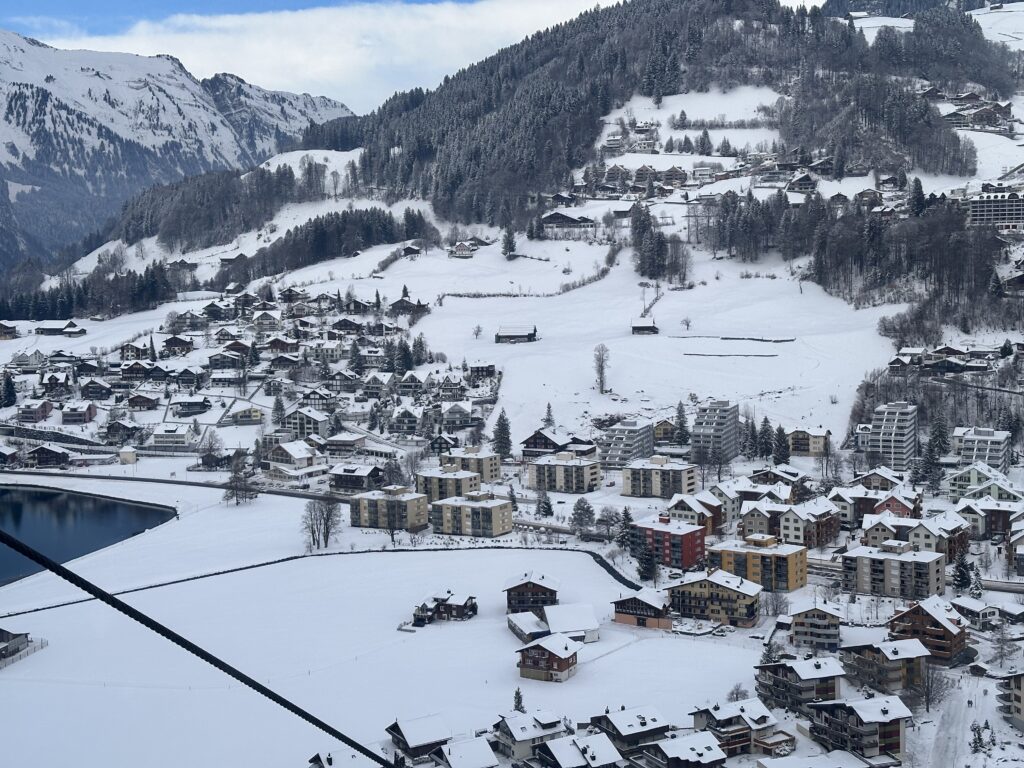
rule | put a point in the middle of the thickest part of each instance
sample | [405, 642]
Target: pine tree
[152, 349]
[624, 538]
[772, 653]
[681, 434]
[512, 498]
[582, 515]
[277, 414]
[549, 418]
[517, 701]
[765, 439]
[508, 243]
[977, 590]
[9, 395]
[544, 506]
[356, 363]
[502, 436]
[961, 572]
[938, 435]
[780, 449]
[917, 202]
[647, 565]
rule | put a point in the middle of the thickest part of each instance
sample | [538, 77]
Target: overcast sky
[358, 52]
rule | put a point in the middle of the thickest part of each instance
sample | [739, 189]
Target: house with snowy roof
[692, 750]
[794, 684]
[416, 738]
[551, 658]
[986, 516]
[890, 666]
[630, 728]
[469, 753]
[973, 477]
[517, 735]
[937, 624]
[866, 727]
[644, 608]
[746, 726]
[716, 595]
[574, 620]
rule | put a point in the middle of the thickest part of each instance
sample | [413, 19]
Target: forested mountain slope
[82, 131]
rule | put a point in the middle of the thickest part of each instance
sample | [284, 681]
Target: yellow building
[485, 463]
[476, 514]
[658, 476]
[763, 560]
[394, 507]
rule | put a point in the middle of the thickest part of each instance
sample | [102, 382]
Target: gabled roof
[583, 751]
[531, 725]
[652, 597]
[420, 731]
[636, 720]
[570, 618]
[701, 748]
[942, 612]
[532, 577]
[880, 709]
[752, 711]
[556, 644]
[472, 753]
[723, 579]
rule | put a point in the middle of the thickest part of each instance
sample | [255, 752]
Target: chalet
[515, 334]
[406, 419]
[349, 478]
[238, 347]
[282, 345]
[266, 321]
[377, 384]
[629, 729]
[34, 411]
[290, 295]
[28, 362]
[532, 591]
[793, 685]
[217, 311]
[119, 432]
[802, 183]
[451, 387]
[551, 659]
[379, 328]
[188, 321]
[694, 750]
[137, 370]
[674, 176]
[986, 515]
[177, 345]
[868, 198]
[56, 384]
[457, 416]
[319, 399]
[936, 624]
[462, 250]
[645, 608]
[644, 326]
[78, 412]
[343, 381]
[550, 440]
[131, 350]
[344, 444]
[8, 456]
[980, 615]
[417, 738]
[8, 331]
[879, 479]
[445, 606]
[248, 416]
[890, 666]
[746, 726]
[867, 727]
[517, 735]
[414, 383]
[285, 362]
[48, 455]
[88, 368]
[224, 360]
[469, 753]
[354, 306]
[441, 444]
[559, 221]
[140, 402]
[406, 306]
[190, 377]
[481, 370]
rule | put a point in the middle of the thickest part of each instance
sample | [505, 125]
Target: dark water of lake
[64, 526]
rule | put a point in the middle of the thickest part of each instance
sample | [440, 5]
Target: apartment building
[816, 626]
[715, 595]
[894, 570]
[975, 476]
[473, 458]
[1011, 692]
[893, 438]
[990, 446]
[866, 727]
[936, 624]
[716, 429]
[763, 560]
[446, 482]
[394, 507]
[674, 543]
[478, 513]
[564, 472]
[625, 442]
[793, 685]
[890, 666]
[658, 477]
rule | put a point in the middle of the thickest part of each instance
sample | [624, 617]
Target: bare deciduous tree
[601, 364]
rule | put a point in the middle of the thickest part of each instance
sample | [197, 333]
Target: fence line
[33, 646]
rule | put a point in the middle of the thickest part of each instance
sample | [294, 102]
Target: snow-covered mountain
[81, 130]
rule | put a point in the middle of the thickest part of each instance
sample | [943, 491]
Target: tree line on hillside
[519, 121]
[97, 293]
[333, 235]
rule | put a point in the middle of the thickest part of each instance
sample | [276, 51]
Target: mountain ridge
[81, 131]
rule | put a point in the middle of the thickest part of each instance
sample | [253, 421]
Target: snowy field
[1005, 25]
[323, 633]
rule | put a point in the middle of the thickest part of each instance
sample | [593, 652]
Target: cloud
[44, 26]
[359, 53]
